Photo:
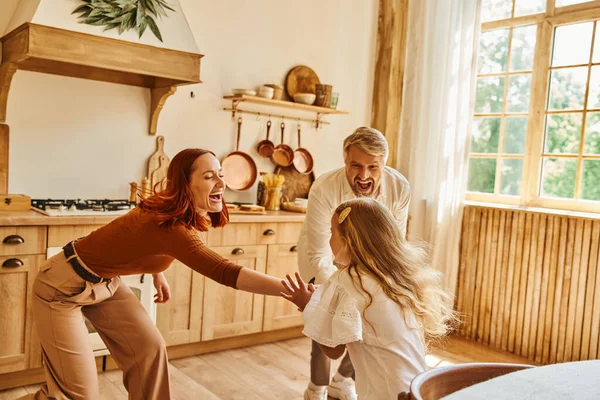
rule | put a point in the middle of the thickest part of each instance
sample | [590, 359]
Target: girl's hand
[163, 292]
[299, 293]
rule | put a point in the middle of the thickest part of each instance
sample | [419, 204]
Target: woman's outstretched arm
[252, 281]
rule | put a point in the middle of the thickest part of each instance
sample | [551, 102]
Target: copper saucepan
[265, 147]
[238, 167]
[283, 155]
[303, 160]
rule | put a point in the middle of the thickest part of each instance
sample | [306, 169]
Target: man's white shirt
[315, 259]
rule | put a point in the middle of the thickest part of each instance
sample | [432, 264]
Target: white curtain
[436, 117]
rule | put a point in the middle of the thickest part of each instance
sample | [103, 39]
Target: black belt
[77, 267]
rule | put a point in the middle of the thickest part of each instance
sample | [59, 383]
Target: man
[364, 174]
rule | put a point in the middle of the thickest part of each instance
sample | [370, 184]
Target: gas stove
[79, 207]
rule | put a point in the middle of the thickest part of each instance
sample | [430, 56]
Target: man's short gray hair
[369, 140]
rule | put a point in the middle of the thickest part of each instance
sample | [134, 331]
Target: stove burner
[79, 204]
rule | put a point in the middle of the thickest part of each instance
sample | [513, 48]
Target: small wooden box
[15, 202]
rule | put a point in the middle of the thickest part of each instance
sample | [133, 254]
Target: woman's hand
[299, 293]
[163, 292]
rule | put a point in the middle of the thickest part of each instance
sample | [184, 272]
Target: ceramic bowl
[305, 98]
[238, 92]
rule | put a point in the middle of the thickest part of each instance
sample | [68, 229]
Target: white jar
[266, 92]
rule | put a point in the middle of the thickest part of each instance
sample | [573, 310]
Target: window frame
[534, 146]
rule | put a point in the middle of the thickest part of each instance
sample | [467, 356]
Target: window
[535, 139]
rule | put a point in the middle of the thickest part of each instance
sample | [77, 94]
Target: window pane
[567, 88]
[591, 180]
[518, 93]
[560, 3]
[527, 7]
[493, 50]
[558, 177]
[512, 175]
[515, 133]
[493, 10]
[592, 135]
[482, 175]
[522, 48]
[596, 57]
[490, 92]
[486, 132]
[563, 133]
[572, 44]
[594, 95]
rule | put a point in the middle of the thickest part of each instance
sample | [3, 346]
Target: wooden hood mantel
[39, 48]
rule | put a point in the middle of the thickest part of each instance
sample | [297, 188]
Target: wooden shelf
[39, 48]
[320, 111]
[283, 103]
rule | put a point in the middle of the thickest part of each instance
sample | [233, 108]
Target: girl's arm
[333, 352]
[252, 281]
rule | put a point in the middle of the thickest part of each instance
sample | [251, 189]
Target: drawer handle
[294, 249]
[13, 239]
[12, 263]
[237, 251]
[269, 232]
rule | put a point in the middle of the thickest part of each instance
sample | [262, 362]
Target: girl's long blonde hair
[402, 269]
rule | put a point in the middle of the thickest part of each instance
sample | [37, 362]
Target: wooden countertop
[12, 218]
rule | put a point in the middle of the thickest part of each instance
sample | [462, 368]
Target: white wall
[76, 138]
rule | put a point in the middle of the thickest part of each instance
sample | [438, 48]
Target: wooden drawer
[253, 233]
[58, 236]
[22, 240]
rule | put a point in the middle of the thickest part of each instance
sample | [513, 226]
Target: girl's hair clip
[344, 215]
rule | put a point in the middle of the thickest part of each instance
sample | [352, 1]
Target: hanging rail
[317, 121]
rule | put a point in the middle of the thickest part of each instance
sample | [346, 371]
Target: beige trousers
[61, 299]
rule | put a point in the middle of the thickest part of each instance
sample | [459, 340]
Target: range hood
[46, 49]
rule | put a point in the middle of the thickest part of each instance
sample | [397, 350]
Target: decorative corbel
[7, 70]
[158, 99]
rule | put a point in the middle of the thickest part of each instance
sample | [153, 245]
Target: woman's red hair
[175, 204]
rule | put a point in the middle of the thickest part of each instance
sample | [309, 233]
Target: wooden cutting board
[296, 184]
[301, 79]
[153, 162]
[160, 174]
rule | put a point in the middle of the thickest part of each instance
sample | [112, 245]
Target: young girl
[384, 304]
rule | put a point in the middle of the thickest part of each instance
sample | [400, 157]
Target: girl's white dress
[387, 353]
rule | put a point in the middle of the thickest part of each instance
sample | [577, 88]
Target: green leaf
[153, 27]
[142, 29]
[139, 18]
[95, 12]
[151, 7]
[109, 26]
[165, 5]
[81, 8]
[123, 18]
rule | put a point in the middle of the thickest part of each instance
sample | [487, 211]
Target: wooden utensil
[265, 147]
[301, 79]
[296, 184]
[238, 167]
[159, 176]
[153, 162]
[303, 160]
[283, 155]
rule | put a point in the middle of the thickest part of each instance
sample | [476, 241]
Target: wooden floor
[270, 371]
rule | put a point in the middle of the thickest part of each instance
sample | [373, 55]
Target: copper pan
[238, 167]
[303, 160]
[265, 147]
[283, 155]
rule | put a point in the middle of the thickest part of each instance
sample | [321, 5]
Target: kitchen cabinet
[22, 250]
[280, 313]
[229, 312]
[180, 319]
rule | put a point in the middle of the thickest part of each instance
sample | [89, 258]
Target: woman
[84, 279]
[384, 304]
